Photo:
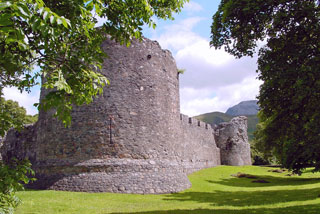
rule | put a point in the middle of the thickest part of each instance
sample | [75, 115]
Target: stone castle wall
[142, 101]
[125, 138]
[232, 139]
[132, 139]
[20, 144]
[198, 149]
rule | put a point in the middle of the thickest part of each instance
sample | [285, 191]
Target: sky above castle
[213, 81]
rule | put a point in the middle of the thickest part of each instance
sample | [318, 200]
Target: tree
[12, 177]
[31, 119]
[16, 172]
[262, 150]
[60, 37]
[288, 64]
[13, 115]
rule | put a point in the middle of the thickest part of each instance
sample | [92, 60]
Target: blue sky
[213, 81]
[203, 9]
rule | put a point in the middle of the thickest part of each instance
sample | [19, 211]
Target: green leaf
[68, 21]
[53, 19]
[20, 34]
[5, 19]
[4, 5]
[89, 5]
[59, 21]
[23, 9]
[39, 3]
[6, 29]
[51, 35]
[98, 7]
[64, 22]
[41, 9]
[45, 15]
[12, 37]
[36, 24]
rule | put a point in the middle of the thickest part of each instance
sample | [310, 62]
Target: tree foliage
[13, 116]
[288, 64]
[14, 173]
[31, 119]
[12, 178]
[60, 37]
[262, 150]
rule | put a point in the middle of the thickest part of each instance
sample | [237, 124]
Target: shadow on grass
[273, 181]
[241, 200]
[309, 209]
[309, 170]
[251, 198]
[31, 190]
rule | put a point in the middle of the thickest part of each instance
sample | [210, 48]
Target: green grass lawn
[213, 191]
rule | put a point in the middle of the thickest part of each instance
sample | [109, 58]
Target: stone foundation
[114, 175]
[132, 139]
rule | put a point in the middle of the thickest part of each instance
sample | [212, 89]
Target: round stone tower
[124, 141]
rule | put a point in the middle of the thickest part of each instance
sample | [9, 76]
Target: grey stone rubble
[132, 139]
[19, 144]
[232, 139]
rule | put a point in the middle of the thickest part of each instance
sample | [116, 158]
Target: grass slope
[219, 117]
[213, 191]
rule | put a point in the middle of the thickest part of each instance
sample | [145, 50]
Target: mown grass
[213, 191]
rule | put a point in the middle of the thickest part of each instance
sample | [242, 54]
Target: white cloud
[199, 101]
[24, 99]
[207, 67]
[180, 35]
[200, 50]
[192, 7]
[214, 80]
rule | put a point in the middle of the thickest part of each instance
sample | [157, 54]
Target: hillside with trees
[245, 108]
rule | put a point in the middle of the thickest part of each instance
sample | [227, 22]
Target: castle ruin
[131, 139]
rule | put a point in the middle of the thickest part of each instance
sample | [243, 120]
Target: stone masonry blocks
[132, 139]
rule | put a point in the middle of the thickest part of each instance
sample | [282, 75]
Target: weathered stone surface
[232, 139]
[112, 175]
[197, 148]
[20, 144]
[130, 140]
[136, 118]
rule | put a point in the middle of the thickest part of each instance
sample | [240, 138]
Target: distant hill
[249, 107]
[214, 118]
[237, 110]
